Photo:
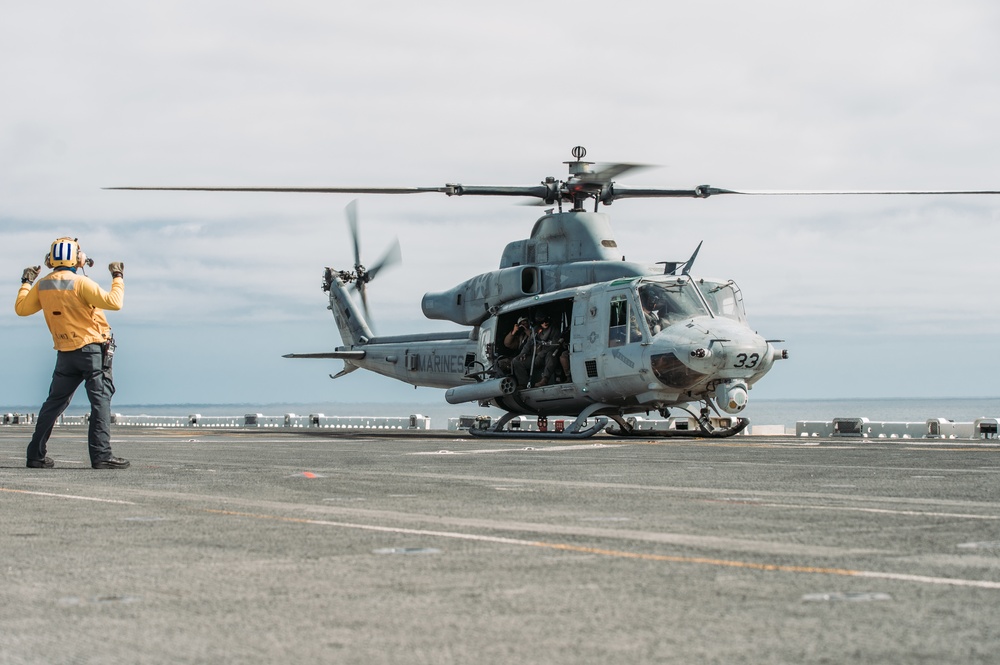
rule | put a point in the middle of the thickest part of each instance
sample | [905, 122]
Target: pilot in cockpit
[652, 310]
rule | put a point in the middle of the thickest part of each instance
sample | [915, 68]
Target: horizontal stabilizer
[336, 355]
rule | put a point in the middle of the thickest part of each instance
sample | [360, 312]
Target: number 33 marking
[743, 360]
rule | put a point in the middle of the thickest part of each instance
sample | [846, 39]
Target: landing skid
[703, 432]
[517, 434]
[575, 430]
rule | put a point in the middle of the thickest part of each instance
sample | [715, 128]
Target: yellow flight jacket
[73, 305]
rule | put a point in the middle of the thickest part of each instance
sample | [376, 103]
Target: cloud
[771, 95]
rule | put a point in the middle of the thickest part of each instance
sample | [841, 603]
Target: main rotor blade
[705, 191]
[538, 191]
[552, 192]
[605, 173]
[851, 192]
[297, 190]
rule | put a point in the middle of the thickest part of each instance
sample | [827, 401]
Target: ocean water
[760, 412]
[788, 412]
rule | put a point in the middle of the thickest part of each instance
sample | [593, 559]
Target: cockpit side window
[623, 327]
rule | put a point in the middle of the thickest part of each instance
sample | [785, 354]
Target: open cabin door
[529, 343]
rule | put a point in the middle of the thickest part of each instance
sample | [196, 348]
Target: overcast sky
[876, 297]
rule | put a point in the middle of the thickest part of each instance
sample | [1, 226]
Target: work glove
[30, 275]
[117, 269]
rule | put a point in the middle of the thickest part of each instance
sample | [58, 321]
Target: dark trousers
[85, 365]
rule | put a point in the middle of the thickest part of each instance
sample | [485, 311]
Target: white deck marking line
[676, 489]
[525, 448]
[845, 572]
[901, 577]
[886, 511]
[372, 527]
[68, 496]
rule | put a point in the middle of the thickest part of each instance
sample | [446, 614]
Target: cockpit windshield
[724, 298]
[664, 303]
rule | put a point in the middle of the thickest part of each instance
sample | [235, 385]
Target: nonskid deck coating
[265, 545]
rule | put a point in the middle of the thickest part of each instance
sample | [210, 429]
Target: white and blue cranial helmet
[65, 252]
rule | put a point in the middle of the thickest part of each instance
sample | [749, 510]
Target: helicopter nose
[729, 351]
[745, 355]
[746, 352]
[725, 357]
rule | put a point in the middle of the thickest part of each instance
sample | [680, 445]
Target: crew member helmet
[64, 253]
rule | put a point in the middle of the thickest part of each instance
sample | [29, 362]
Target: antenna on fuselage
[670, 267]
[690, 262]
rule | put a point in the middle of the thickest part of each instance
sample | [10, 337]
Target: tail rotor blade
[362, 275]
[352, 225]
[392, 256]
[363, 290]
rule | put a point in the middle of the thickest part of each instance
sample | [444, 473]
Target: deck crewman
[74, 306]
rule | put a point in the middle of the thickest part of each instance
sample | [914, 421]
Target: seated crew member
[557, 364]
[534, 353]
[651, 312]
[515, 339]
[511, 345]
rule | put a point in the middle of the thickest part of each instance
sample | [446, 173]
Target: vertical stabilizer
[353, 327]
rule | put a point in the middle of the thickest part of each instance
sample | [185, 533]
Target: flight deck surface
[262, 546]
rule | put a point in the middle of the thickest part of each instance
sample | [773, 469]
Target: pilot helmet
[64, 253]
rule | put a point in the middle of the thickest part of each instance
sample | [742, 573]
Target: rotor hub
[579, 167]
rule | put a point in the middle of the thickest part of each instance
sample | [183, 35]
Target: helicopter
[565, 326]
